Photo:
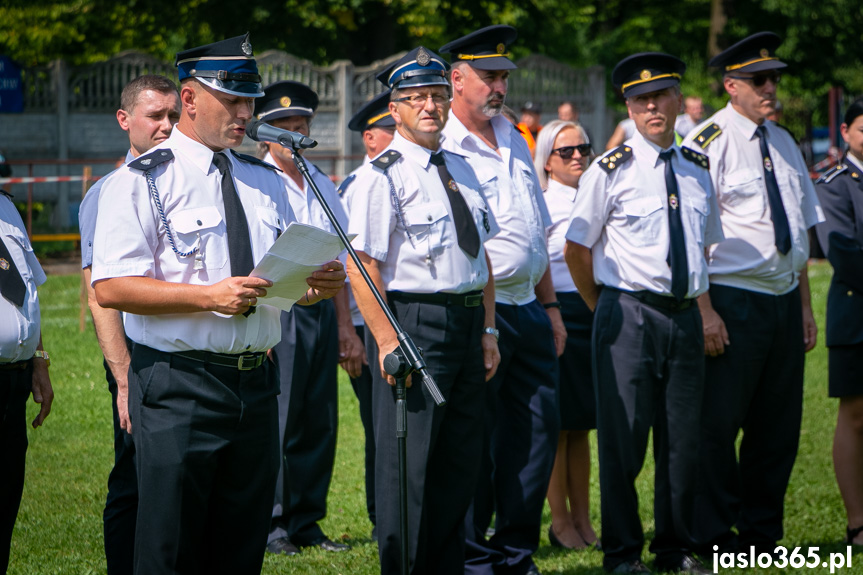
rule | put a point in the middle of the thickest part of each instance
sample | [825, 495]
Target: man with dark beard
[521, 415]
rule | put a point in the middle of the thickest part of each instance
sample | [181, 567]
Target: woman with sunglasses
[841, 194]
[562, 155]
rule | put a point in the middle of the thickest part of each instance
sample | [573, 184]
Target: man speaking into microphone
[178, 233]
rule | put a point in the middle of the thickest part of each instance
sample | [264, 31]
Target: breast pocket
[201, 228]
[426, 223]
[272, 224]
[697, 210]
[18, 241]
[743, 192]
[644, 217]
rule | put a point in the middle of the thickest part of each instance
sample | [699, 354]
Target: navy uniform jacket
[841, 194]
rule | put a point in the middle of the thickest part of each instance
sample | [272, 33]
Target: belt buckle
[472, 300]
[252, 364]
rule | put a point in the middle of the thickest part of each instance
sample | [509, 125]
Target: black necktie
[781, 231]
[11, 285]
[677, 247]
[465, 227]
[239, 242]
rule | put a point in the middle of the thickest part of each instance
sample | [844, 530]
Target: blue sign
[11, 90]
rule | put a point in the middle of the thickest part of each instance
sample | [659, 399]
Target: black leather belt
[15, 366]
[469, 299]
[663, 302]
[240, 361]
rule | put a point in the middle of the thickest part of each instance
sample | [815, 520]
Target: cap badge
[646, 75]
[768, 165]
[764, 53]
[501, 48]
[4, 265]
[423, 58]
[285, 102]
[246, 47]
[672, 201]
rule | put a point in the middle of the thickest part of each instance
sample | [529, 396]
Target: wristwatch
[493, 331]
[44, 355]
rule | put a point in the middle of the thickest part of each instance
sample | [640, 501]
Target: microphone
[262, 132]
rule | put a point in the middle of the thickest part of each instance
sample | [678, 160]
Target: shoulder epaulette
[790, 133]
[386, 159]
[615, 158]
[345, 183]
[151, 160]
[695, 157]
[253, 160]
[828, 176]
[7, 194]
[706, 135]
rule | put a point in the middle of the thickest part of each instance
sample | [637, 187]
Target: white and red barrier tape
[44, 179]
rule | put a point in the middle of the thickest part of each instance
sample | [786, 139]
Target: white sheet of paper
[299, 251]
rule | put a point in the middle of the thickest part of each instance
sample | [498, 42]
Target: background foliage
[822, 39]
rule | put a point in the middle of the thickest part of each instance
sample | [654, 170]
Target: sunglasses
[759, 80]
[567, 152]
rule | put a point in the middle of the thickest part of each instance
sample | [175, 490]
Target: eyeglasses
[759, 80]
[566, 152]
[419, 100]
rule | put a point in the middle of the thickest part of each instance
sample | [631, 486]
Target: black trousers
[121, 505]
[756, 386]
[207, 448]
[307, 358]
[15, 387]
[363, 389]
[443, 443]
[648, 372]
[521, 427]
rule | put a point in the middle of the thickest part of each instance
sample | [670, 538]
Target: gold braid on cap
[481, 56]
[651, 79]
[374, 119]
[738, 66]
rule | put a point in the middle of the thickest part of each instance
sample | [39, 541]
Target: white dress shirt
[87, 213]
[19, 326]
[623, 217]
[130, 240]
[559, 199]
[416, 242]
[519, 255]
[345, 195]
[748, 258]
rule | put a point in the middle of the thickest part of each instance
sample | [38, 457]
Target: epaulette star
[386, 159]
[151, 160]
[695, 157]
[828, 176]
[253, 160]
[707, 135]
[615, 158]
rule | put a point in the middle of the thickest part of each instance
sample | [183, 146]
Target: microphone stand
[399, 363]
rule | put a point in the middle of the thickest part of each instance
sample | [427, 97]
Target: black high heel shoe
[850, 534]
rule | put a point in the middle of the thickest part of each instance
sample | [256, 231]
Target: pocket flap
[269, 216]
[425, 214]
[196, 219]
[641, 207]
[741, 177]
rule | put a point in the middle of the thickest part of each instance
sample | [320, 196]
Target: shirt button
[850, 293]
[200, 223]
[429, 218]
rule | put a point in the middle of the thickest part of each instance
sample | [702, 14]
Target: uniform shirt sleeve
[87, 222]
[590, 208]
[713, 226]
[372, 215]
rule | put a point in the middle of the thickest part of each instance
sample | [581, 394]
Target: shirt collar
[567, 191]
[849, 159]
[647, 149]
[502, 127]
[196, 152]
[415, 152]
[743, 124]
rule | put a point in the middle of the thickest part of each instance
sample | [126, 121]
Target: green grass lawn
[59, 527]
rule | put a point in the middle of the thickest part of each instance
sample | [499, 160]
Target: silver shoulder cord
[151, 184]
[398, 207]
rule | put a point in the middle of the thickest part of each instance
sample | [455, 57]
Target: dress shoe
[850, 534]
[282, 546]
[597, 544]
[555, 542]
[328, 544]
[686, 564]
[634, 566]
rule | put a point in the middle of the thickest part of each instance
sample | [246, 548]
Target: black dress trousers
[307, 358]
[362, 386]
[15, 387]
[755, 386]
[648, 373]
[443, 443]
[207, 448]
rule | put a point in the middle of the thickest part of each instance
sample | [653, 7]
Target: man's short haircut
[161, 84]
